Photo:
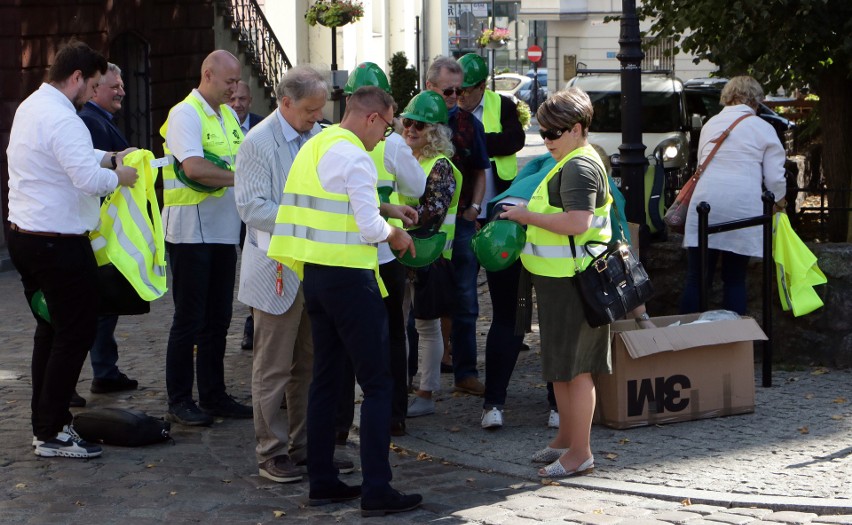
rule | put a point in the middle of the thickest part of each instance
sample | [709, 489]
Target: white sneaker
[492, 418]
[68, 444]
[420, 406]
[553, 419]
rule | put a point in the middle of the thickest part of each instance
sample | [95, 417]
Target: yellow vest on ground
[549, 254]
[507, 165]
[130, 231]
[222, 142]
[317, 226]
[449, 224]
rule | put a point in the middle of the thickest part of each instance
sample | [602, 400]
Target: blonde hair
[741, 90]
[565, 108]
[438, 141]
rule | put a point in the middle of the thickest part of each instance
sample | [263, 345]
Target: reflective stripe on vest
[128, 237]
[221, 138]
[317, 226]
[449, 224]
[507, 165]
[549, 254]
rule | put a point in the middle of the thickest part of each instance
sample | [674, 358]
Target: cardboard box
[669, 374]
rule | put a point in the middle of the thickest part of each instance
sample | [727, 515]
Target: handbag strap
[718, 141]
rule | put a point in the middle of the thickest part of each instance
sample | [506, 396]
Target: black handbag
[612, 285]
[434, 290]
[121, 426]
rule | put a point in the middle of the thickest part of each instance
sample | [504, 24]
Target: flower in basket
[493, 37]
[334, 13]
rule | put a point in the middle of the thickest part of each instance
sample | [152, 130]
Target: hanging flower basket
[493, 38]
[334, 13]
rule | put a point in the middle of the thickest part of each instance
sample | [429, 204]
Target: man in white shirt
[55, 180]
[202, 231]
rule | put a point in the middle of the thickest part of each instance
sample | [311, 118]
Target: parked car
[702, 100]
[519, 87]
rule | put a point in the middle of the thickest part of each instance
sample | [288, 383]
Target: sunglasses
[418, 125]
[388, 130]
[449, 91]
[548, 134]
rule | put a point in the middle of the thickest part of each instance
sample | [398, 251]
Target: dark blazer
[105, 135]
[254, 119]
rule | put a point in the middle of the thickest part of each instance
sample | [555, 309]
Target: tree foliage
[789, 43]
[403, 79]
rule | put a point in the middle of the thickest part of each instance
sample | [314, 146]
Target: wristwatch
[476, 207]
[112, 160]
[645, 316]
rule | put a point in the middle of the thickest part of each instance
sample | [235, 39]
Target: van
[666, 128]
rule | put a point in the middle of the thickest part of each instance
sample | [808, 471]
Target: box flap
[651, 341]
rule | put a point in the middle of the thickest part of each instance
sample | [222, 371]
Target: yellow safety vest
[130, 231]
[386, 178]
[796, 267]
[216, 139]
[549, 254]
[449, 224]
[317, 226]
[507, 165]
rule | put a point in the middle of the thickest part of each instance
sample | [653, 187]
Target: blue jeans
[502, 345]
[463, 335]
[203, 290]
[104, 353]
[348, 318]
[734, 267]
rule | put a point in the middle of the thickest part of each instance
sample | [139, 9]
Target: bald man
[202, 231]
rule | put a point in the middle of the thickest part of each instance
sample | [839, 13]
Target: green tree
[403, 79]
[780, 43]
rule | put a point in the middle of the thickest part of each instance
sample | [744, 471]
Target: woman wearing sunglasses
[572, 203]
[426, 132]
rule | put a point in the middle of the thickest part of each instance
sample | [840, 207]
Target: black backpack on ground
[121, 426]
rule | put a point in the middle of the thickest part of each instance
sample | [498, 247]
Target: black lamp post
[633, 161]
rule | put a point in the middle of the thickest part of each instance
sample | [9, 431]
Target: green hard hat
[195, 185]
[475, 69]
[427, 244]
[498, 244]
[39, 305]
[366, 74]
[428, 107]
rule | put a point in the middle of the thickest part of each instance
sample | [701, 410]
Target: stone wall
[823, 337]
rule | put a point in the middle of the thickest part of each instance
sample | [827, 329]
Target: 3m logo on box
[678, 373]
[661, 395]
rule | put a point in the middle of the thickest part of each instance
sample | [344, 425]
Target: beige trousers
[282, 364]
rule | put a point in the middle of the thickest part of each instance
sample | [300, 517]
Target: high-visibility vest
[507, 165]
[317, 226]
[549, 254]
[222, 141]
[130, 231]
[449, 224]
[386, 178]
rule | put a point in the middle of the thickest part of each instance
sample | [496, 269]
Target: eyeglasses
[418, 125]
[549, 134]
[470, 89]
[449, 91]
[388, 130]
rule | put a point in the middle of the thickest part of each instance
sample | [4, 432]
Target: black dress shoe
[77, 401]
[227, 406]
[188, 413]
[392, 502]
[119, 384]
[337, 494]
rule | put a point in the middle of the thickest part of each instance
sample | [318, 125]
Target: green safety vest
[449, 224]
[507, 165]
[216, 139]
[130, 237]
[549, 254]
[317, 226]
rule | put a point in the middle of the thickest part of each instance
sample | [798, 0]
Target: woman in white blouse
[750, 159]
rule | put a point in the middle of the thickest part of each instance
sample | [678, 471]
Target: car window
[704, 103]
[505, 84]
[660, 112]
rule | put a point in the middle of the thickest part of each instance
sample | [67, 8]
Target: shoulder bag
[613, 284]
[675, 216]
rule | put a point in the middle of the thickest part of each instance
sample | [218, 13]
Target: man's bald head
[220, 73]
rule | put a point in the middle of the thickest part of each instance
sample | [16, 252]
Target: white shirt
[490, 188]
[410, 178]
[215, 220]
[55, 178]
[346, 168]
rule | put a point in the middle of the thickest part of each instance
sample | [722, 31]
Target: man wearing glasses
[471, 158]
[327, 229]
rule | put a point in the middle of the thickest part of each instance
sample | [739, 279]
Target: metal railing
[257, 40]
